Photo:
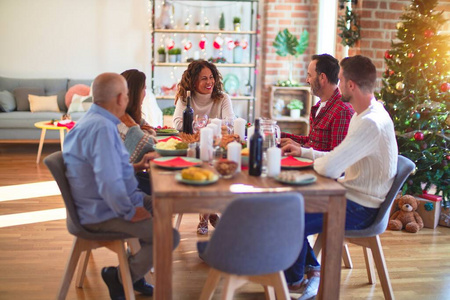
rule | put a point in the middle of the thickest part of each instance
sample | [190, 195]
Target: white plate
[165, 152]
[309, 178]
[195, 182]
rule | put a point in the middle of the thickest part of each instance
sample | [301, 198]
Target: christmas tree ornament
[170, 43]
[399, 86]
[218, 41]
[418, 136]
[424, 146]
[187, 45]
[410, 55]
[400, 25]
[388, 55]
[244, 44]
[417, 115]
[445, 87]
[428, 33]
[202, 43]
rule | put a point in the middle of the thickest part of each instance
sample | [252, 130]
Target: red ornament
[202, 43]
[428, 33]
[388, 55]
[410, 55]
[418, 136]
[445, 87]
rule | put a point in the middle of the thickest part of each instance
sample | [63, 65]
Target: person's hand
[140, 215]
[291, 150]
[145, 161]
[287, 141]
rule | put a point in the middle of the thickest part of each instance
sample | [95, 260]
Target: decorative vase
[172, 58]
[295, 113]
[161, 58]
[238, 53]
[237, 26]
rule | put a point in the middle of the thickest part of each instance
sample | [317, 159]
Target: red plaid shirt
[329, 127]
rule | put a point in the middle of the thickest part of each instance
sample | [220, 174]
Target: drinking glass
[229, 123]
[200, 122]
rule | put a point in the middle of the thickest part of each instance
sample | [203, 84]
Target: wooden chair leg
[380, 263]
[280, 285]
[211, 284]
[82, 266]
[269, 292]
[369, 265]
[318, 245]
[232, 283]
[346, 257]
[178, 221]
[124, 269]
[70, 269]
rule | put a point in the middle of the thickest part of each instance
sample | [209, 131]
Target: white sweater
[367, 155]
[203, 105]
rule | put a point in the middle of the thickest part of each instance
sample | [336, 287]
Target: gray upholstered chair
[256, 239]
[85, 241]
[369, 238]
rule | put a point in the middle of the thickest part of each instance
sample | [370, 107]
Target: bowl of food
[172, 147]
[225, 167]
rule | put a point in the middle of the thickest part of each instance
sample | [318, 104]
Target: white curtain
[151, 111]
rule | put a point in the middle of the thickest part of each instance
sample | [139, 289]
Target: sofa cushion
[21, 95]
[79, 89]
[7, 101]
[43, 103]
[80, 103]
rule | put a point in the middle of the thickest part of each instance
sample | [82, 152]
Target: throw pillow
[80, 103]
[21, 95]
[79, 89]
[7, 101]
[43, 103]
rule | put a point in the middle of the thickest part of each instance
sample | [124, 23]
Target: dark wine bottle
[188, 116]
[256, 152]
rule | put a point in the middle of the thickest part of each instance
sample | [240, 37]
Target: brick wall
[378, 27]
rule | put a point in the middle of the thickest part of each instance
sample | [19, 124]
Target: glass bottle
[256, 150]
[188, 116]
[192, 150]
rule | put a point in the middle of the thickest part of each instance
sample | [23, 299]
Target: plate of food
[166, 131]
[291, 162]
[296, 178]
[171, 147]
[196, 176]
[176, 162]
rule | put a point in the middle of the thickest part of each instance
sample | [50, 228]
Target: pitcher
[271, 133]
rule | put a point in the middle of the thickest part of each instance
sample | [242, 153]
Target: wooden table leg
[333, 239]
[163, 245]
[41, 143]
[61, 137]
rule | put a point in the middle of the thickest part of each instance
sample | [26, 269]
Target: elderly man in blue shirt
[103, 184]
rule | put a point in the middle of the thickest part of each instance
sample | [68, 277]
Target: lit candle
[234, 153]
[239, 128]
[206, 140]
[250, 132]
[273, 161]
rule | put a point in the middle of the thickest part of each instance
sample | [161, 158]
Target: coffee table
[44, 125]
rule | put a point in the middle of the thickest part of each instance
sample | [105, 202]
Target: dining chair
[85, 241]
[256, 239]
[369, 238]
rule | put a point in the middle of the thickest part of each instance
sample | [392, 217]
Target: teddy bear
[406, 217]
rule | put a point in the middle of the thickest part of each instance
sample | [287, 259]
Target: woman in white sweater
[207, 96]
[367, 157]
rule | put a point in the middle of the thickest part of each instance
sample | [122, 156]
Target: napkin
[69, 125]
[175, 162]
[290, 161]
[171, 137]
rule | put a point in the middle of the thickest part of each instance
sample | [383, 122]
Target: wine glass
[200, 122]
[229, 123]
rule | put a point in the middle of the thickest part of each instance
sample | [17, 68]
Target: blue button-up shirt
[101, 178]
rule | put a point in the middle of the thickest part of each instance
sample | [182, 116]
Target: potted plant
[287, 44]
[175, 55]
[168, 115]
[161, 54]
[197, 25]
[295, 107]
[207, 25]
[237, 23]
[186, 25]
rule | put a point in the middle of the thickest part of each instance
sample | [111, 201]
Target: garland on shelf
[350, 35]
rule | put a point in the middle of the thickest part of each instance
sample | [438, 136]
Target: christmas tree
[416, 92]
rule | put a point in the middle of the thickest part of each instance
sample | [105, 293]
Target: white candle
[196, 55]
[215, 129]
[250, 132]
[273, 161]
[239, 127]
[206, 140]
[218, 122]
[234, 153]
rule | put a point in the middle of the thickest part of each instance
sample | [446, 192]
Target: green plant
[236, 20]
[295, 104]
[287, 44]
[168, 111]
[175, 51]
[161, 50]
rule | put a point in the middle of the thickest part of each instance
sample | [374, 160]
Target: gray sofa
[19, 125]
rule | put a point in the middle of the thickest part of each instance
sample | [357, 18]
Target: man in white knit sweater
[367, 157]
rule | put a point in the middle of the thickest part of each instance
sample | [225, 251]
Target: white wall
[74, 39]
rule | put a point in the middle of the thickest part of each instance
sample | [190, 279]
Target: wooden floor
[34, 246]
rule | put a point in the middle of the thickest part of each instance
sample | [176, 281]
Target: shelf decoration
[165, 20]
[170, 43]
[218, 41]
[187, 45]
[349, 28]
[202, 43]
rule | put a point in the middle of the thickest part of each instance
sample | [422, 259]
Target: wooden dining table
[170, 197]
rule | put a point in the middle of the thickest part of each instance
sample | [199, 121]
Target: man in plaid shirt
[330, 117]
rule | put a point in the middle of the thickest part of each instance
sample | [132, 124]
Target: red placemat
[171, 137]
[290, 161]
[175, 162]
